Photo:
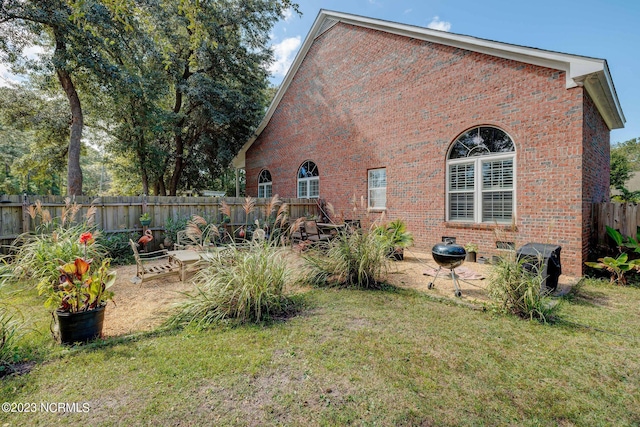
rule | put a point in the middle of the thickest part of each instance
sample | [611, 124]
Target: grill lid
[448, 255]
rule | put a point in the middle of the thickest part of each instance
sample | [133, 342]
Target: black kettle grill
[448, 255]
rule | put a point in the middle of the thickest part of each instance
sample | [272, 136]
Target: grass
[389, 357]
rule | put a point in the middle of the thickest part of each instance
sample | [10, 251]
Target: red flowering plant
[80, 288]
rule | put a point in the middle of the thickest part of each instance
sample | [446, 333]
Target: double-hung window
[481, 177]
[265, 184]
[308, 181]
[377, 188]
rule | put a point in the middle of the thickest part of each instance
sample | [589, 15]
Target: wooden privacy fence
[122, 214]
[624, 217]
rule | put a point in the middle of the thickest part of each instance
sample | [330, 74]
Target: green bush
[517, 291]
[357, 259]
[117, 247]
[171, 227]
[246, 285]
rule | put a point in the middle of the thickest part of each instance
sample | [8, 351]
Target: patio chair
[184, 241]
[352, 225]
[299, 235]
[314, 234]
[152, 265]
[181, 242]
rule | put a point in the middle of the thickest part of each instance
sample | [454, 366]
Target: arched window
[264, 184]
[481, 177]
[308, 181]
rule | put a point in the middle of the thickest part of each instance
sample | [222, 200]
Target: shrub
[246, 285]
[517, 291]
[172, 226]
[357, 259]
[56, 241]
[116, 247]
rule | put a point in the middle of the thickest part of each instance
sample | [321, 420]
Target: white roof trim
[591, 73]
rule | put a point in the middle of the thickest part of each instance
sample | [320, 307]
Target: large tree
[208, 62]
[77, 33]
[179, 84]
[34, 135]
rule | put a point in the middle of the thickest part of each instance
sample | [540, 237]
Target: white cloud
[437, 24]
[284, 53]
[287, 15]
[406, 12]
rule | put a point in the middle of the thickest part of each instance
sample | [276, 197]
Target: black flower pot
[396, 254]
[80, 327]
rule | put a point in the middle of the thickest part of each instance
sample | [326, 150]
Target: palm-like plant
[396, 232]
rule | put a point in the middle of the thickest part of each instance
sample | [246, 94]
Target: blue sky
[595, 28]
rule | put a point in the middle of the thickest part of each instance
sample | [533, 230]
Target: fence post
[25, 214]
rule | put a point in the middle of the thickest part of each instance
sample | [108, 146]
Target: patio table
[184, 258]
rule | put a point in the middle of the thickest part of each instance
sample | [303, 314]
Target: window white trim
[377, 190]
[308, 181]
[265, 184]
[477, 191]
[265, 190]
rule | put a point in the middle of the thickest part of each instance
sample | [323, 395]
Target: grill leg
[456, 288]
[431, 284]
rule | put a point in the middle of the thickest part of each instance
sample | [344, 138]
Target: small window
[378, 188]
[308, 181]
[481, 177]
[264, 184]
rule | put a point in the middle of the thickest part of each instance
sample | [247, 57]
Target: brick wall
[596, 166]
[366, 99]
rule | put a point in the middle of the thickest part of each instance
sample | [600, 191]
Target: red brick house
[487, 142]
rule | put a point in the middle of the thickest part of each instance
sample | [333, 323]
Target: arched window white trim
[308, 181]
[481, 173]
[265, 184]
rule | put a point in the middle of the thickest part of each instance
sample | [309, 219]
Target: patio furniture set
[186, 252]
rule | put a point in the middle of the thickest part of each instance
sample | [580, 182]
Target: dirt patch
[143, 307]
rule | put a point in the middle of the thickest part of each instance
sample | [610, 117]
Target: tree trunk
[179, 164]
[162, 191]
[145, 181]
[74, 172]
[179, 141]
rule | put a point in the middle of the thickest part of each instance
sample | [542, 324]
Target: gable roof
[591, 73]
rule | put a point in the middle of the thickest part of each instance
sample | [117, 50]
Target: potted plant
[145, 219]
[472, 250]
[397, 237]
[80, 297]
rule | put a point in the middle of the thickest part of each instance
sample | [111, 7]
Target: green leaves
[616, 266]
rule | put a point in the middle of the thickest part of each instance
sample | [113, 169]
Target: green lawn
[358, 357]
